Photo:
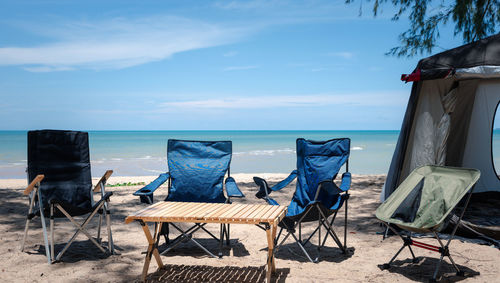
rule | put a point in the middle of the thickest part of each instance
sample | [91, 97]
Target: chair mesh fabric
[63, 157]
[317, 162]
[197, 170]
[442, 190]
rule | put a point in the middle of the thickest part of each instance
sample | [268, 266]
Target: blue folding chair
[316, 196]
[196, 174]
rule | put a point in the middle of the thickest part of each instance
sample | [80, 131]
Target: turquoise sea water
[136, 153]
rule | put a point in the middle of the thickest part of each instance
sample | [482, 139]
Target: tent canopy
[450, 115]
[480, 59]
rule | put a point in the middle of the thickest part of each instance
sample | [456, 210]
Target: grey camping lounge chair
[60, 185]
[422, 203]
[316, 196]
[196, 174]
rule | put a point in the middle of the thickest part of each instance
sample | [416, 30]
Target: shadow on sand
[423, 270]
[204, 273]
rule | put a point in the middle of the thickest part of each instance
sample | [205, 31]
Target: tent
[449, 121]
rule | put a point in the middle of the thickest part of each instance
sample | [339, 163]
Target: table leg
[272, 254]
[271, 234]
[152, 248]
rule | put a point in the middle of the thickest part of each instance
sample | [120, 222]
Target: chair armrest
[328, 188]
[103, 180]
[151, 187]
[285, 182]
[264, 189]
[33, 183]
[271, 201]
[232, 189]
[345, 184]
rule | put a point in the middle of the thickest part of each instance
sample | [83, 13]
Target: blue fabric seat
[316, 196]
[196, 174]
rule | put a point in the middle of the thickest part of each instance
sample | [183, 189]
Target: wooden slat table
[193, 212]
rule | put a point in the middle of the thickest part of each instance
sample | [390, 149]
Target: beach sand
[244, 261]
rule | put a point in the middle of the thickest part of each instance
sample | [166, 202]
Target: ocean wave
[267, 152]
[154, 171]
[357, 148]
[145, 157]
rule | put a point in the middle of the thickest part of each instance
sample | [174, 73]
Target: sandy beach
[244, 261]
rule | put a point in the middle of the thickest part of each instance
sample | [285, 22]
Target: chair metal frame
[33, 190]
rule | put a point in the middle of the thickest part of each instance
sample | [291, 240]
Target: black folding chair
[60, 185]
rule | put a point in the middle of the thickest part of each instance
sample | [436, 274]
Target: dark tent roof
[484, 52]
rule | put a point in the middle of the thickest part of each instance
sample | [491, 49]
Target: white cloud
[230, 54]
[46, 69]
[343, 54]
[318, 69]
[117, 43]
[239, 68]
[299, 101]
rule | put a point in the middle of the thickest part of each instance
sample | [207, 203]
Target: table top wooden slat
[164, 208]
[214, 207]
[243, 211]
[261, 212]
[209, 213]
[248, 212]
[144, 210]
[232, 211]
[257, 209]
[270, 212]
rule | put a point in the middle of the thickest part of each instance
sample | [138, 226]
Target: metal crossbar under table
[201, 213]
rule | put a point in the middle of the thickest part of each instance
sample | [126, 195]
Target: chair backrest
[318, 161]
[197, 170]
[427, 196]
[63, 157]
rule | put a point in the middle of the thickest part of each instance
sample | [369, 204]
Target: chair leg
[228, 239]
[406, 242]
[282, 241]
[25, 234]
[26, 227]
[387, 265]
[300, 232]
[345, 225]
[221, 239]
[81, 228]
[445, 252]
[44, 226]
[302, 247]
[52, 229]
[319, 235]
[188, 235]
[99, 240]
[330, 232]
[111, 246]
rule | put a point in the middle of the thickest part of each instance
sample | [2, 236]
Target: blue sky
[201, 65]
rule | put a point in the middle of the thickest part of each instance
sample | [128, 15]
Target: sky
[201, 65]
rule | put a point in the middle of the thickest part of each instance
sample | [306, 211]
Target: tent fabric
[478, 146]
[197, 170]
[442, 190]
[426, 99]
[63, 157]
[317, 162]
[479, 59]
